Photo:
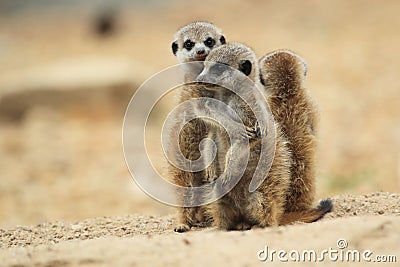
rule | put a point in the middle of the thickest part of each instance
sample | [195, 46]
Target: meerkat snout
[200, 51]
[214, 73]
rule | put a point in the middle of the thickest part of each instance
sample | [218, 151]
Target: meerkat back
[282, 73]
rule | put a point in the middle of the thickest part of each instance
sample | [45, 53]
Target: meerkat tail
[308, 216]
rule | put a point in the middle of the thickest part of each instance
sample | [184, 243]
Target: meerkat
[282, 73]
[192, 42]
[234, 112]
[241, 209]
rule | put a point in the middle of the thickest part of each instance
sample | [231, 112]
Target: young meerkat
[230, 116]
[192, 42]
[240, 209]
[282, 73]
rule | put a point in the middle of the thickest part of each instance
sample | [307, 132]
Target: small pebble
[75, 226]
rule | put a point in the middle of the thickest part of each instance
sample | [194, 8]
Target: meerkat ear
[305, 67]
[175, 47]
[245, 67]
[222, 39]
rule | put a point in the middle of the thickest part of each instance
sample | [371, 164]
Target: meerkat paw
[241, 227]
[253, 132]
[272, 222]
[209, 177]
[181, 228]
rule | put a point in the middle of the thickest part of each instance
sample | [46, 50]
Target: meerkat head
[221, 63]
[282, 72]
[194, 41]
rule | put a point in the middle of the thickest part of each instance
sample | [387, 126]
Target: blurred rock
[70, 83]
[105, 24]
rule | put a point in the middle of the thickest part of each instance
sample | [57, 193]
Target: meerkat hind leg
[224, 215]
[266, 211]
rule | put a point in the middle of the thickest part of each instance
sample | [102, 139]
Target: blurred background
[69, 68]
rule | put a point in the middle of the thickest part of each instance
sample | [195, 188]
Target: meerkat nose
[200, 51]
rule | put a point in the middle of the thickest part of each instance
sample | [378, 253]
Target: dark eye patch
[222, 40]
[245, 67]
[188, 44]
[210, 42]
[218, 68]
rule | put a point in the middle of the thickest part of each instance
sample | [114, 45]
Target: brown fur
[194, 131]
[288, 192]
[189, 139]
[240, 209]
[283, 74]
[307, 216]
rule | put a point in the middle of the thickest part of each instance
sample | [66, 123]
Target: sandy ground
[63, 95]
[365, 222]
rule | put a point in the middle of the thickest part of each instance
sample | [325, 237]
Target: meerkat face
[194, 41]
[221, 63]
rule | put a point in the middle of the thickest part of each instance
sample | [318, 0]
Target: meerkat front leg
[185, 223]
[225, 119]
[254, 132]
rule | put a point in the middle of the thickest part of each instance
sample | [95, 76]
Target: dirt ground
[62, 103]
[370, 221]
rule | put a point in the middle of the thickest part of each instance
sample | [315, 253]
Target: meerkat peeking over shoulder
[194, 41]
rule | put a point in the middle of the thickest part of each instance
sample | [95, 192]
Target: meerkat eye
[210, 42]
[245, 67]
[188, 44]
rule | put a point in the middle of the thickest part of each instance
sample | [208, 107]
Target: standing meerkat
[282, 74]
[239, 208]
[230, 111]
[192, 42]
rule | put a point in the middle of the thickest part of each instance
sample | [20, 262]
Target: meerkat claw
[181, 228]
[253, 132]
